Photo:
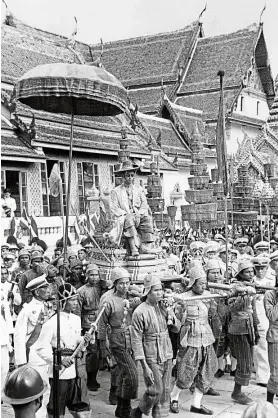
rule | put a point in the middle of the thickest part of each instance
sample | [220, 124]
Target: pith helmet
[196, 273]
[24, 385]
[119, 273]
[152, 279]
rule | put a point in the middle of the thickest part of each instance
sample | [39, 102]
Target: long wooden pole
[62, 205]
[69, 185]
[223, 139]
[57, 350]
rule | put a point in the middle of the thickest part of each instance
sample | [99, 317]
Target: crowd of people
[188, 327]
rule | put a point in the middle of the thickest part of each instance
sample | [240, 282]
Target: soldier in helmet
[24, 390]
[24, 264]
[34, 271]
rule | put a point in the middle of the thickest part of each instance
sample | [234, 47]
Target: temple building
[173, 90]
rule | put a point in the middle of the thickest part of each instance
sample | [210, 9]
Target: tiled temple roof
[208, 102]
[232, 53]
[148, 59]
[141, 63]
[24, 47]
[148, 99]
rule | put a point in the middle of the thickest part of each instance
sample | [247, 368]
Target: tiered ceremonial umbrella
[76, 90]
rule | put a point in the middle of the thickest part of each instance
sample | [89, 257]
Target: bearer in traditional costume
[152, 347]
[73, 392]
[117, 316]
[88, 301]
[243, 327]
[219, 321]
[196, 359]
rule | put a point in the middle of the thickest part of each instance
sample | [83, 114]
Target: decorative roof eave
[85, 149]
[253, 161]
[268, 137]
[14, 158]
[199, 33]
[208, 90]
[267, 85]
[236, 117]
[177, 123]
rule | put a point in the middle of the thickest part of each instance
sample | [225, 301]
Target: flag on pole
[34, 226]
[76, 228]
[30, 223]
[54, 181]
[24, 221]
[221, 146]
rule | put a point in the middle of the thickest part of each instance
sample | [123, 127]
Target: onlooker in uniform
[273, 265]
[244, 250]
[28, 328]
[9, 263]
[6, 330]
[273, 245]
[262, 247]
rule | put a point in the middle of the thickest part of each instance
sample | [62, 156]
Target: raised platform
[138, 267]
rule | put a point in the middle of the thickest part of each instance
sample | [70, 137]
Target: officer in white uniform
[27, 331]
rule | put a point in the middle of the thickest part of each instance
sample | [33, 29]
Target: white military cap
[262, 245]
[37, 283]
[274, 255]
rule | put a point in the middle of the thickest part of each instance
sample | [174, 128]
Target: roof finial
[97, 62]
[9, 20]
[70, 44]
[261, 15]
[201, 14]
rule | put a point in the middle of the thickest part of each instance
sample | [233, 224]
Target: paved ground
[223, 406]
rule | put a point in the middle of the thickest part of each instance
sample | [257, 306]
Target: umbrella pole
[69, 183]
[57, 351]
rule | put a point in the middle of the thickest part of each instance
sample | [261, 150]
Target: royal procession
[139, 223]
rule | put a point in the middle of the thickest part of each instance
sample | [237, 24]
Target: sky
[119, 19]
